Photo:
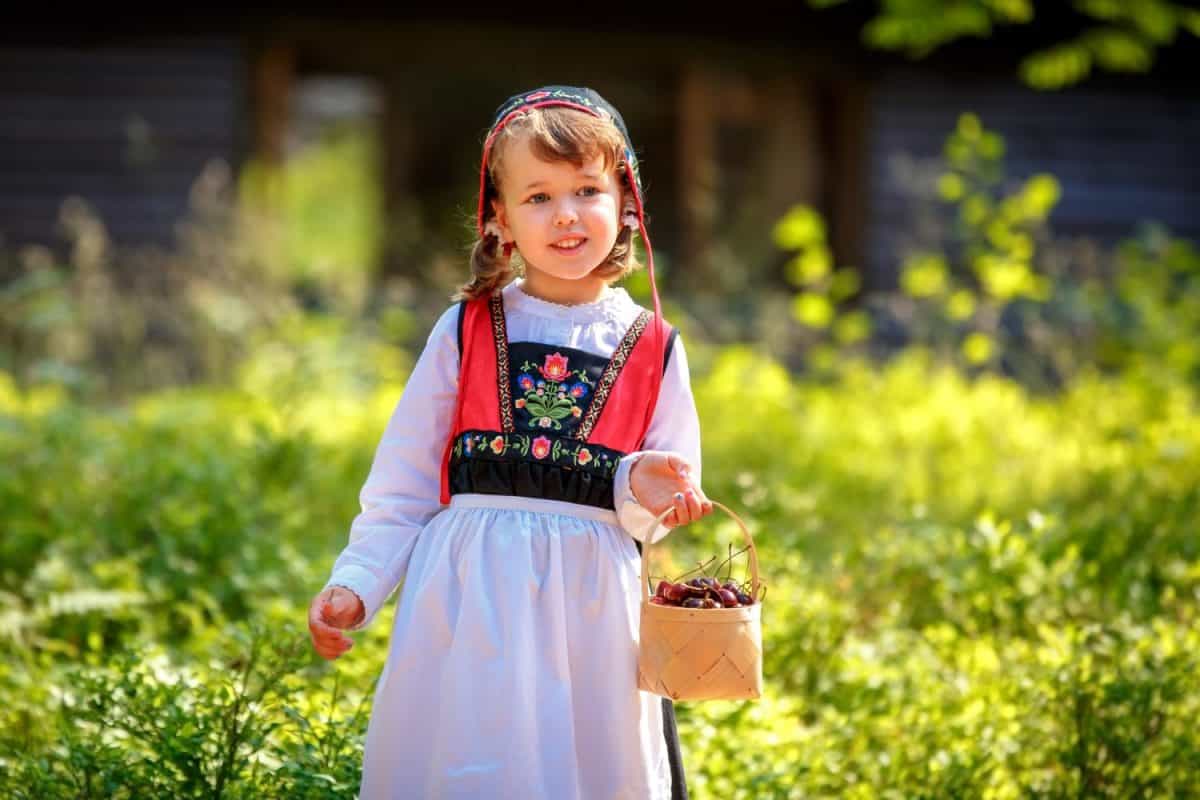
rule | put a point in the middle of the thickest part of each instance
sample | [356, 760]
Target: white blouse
[402, 491]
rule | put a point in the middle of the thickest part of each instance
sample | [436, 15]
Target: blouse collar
[614, 304]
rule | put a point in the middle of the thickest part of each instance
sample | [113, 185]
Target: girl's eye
[588, 191]
[539, 197]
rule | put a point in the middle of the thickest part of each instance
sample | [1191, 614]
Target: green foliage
[108, 323]
[244, 724]
[992, 289]
[320, 215]
[1118, 35]
[973, 591]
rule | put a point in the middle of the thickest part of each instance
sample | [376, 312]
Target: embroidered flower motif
[555, 368]
[548, 450]
[554, 400]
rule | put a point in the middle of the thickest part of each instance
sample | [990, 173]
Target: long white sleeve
[402, 491]
[675, 427]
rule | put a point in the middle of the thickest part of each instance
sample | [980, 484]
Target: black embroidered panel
[543, 465]
[552, 387]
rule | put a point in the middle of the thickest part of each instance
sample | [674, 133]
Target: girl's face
[564, 219]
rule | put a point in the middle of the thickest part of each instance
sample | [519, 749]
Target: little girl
[548, 421]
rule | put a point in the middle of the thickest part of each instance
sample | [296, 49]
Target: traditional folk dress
[500, 495]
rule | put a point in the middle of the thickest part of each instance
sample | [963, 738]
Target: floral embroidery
[556, 394]
[550, 449]
[555, 368]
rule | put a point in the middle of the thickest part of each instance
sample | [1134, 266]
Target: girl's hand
[330, 611]
[663, 480]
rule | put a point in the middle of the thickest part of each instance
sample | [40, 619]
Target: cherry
[677, 592]
[693, 602]
[728, 598]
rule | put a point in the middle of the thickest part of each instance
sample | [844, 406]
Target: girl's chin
[564, 272]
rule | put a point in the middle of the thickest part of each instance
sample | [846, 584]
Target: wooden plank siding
[1120, 156]
[126, 127]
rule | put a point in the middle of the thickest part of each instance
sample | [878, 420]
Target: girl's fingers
[682, 512]
[695, 512]
[327, 639]
[327, 634]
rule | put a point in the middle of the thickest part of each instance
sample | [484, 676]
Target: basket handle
[745, 532]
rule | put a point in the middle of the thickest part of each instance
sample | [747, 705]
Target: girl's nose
[565, 215]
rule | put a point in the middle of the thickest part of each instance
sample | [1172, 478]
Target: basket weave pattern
[701, 653]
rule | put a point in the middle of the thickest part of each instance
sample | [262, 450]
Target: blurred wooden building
[737, 117]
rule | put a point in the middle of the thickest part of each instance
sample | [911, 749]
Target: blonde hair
[554, 134]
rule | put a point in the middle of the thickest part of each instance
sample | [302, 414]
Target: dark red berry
[728, 599]
[662, 588]
[745, 599]
[677, 592]
[693, 602]
[708, 602]
[659, 601]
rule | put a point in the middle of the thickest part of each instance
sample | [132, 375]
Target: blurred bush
[994, 290]
[973, 590]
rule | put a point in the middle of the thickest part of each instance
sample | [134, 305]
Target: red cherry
[728, 599]
[708, 602]
[662, 588]
[693, 602]
[659, 601]
[745, 599]
[677, 592]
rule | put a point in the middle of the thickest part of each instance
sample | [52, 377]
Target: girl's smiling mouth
[571, 245]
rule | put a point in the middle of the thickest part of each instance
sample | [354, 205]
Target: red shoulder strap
[630, 407]
[477, 405]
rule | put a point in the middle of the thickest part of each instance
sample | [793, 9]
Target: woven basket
[701, 653]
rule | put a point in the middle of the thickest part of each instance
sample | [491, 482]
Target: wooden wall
[126, 127]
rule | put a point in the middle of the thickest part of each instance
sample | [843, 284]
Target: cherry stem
[729, 561]
[699, 568]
